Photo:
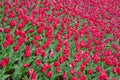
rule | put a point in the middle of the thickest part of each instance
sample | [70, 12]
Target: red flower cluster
[66, 39]
[4, 62]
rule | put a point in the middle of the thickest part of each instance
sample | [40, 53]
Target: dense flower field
[59, 39]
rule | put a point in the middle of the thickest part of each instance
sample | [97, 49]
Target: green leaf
[3, 77]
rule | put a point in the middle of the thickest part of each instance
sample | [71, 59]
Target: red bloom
[27, 48]
[26, 65]
[56, 63]
[118, 71]
[11, 14]
[38, 62]
[7, 30]
[64, 75]
[6, 59]
[0, 4]
[31, 30]
[33, 76]
[61, 59]
[82, 43]
[37, 37]
[6, 44]
[17, 32]
[27, 54]
[73, 63]
[83, 77]
[82, 67]
[103, 75]
[79, 73]
[20, 41]
[51, 54]
[58, 49]
[114, 70]
[90, 71]
[40, 30]
[49, 74]
[4, 19]
[16, 48]
[30, 71]
[22, 34]
[45, 67]
[114, 79]
[57, 69]
[98, 68]
[4, 62]
[12, 23]
[43, 54]
[1, 29]
[72, 71]
[74, 78]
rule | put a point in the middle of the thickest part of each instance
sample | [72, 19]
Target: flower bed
[60, 40]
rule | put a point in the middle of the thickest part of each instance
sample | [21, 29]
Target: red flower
[33, 76]
[56, 63]
[30, 71]
[73, 63]
[83, 77]
[45, 67]
[27, 48]
[6, 59]
[58, 49]
[49, 74]
[85, 55]
[20, 41]
[38, 62]
[95, 57]
[40, 30]
[0, 4]
[61, 59]
[16, 48]
[82, 43]
[11, 14]
[27, 54]
[114, 70]
[72, 71]
[57, 69]
[7, 30]
[64, 75]
[4, 62]
[90, 71]
[82, 67]
[51, 54]
[43, 54]
[114, 79]
[17, 32]
[37, 37]
[22, 34]
[12, 23]
[1, 29]
[118, 71]
[79, 73]
[31, 30]
[4, 19]
[78, 57]
[6, 43]
[74, 78]
[103, 75]
[26, 65]
[98, 68]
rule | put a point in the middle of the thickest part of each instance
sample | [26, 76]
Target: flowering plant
[59, 40]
